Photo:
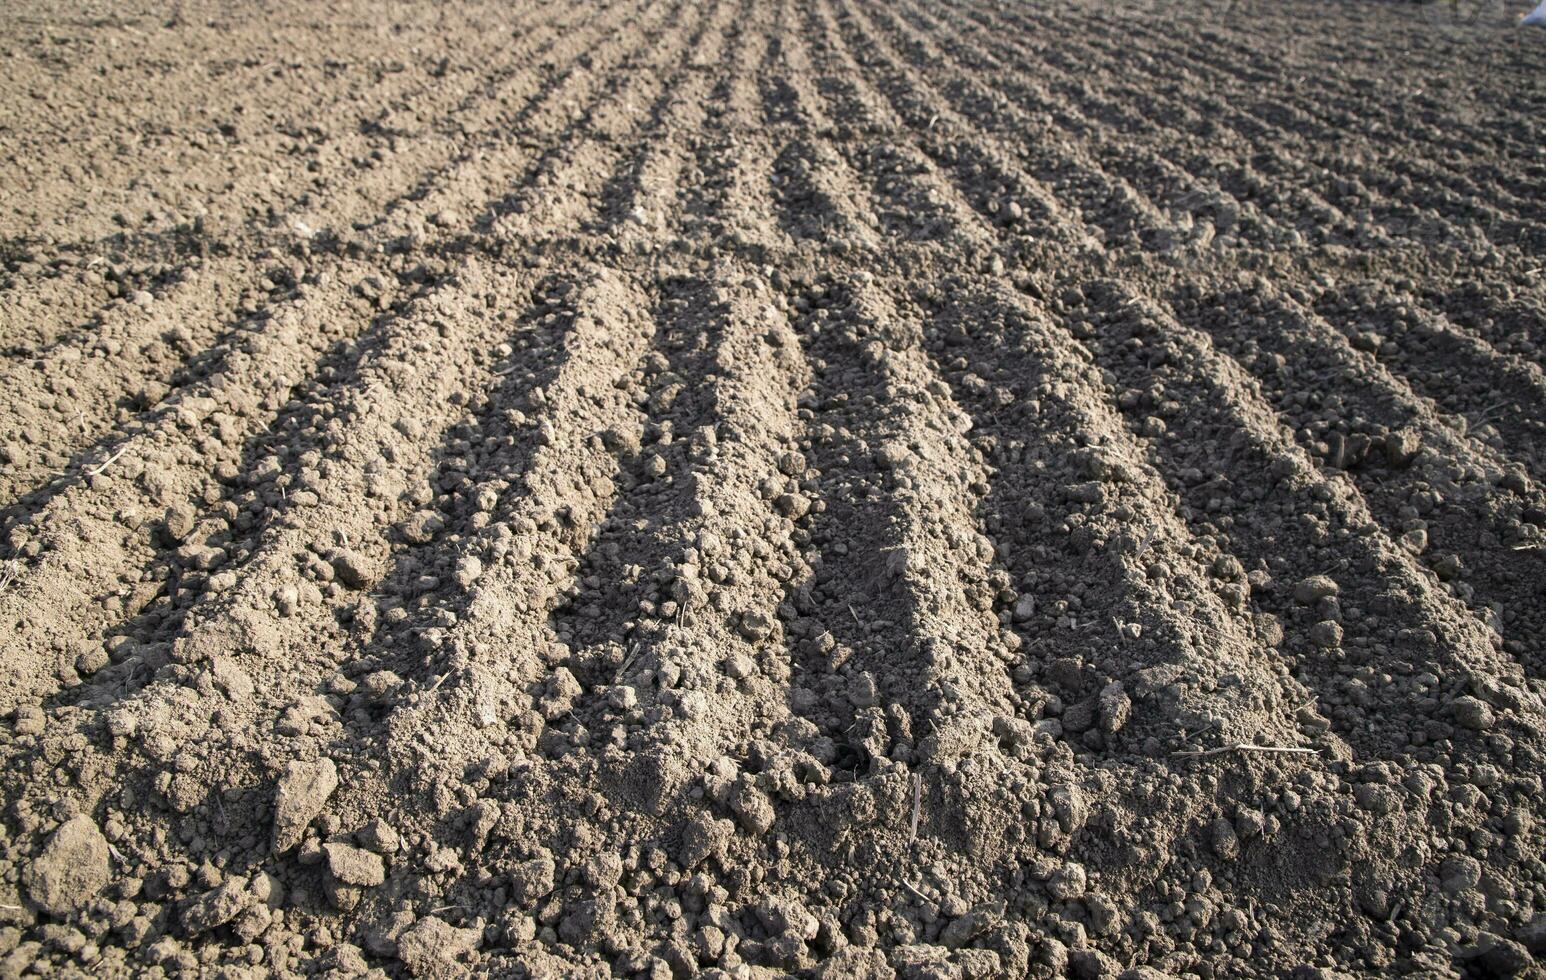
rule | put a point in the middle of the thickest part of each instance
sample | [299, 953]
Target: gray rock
[352, 569]
[378, 836]
[1533, 935]
[1326, 633]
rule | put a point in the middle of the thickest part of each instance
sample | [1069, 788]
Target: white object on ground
[1536, 16]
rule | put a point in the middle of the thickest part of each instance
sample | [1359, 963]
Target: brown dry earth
[828, 487]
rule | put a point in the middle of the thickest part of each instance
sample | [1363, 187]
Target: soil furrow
[913, 201]
[676, 621]
[331, 207]
[1509, 316]
[897, 539]
[820, 488]
[1451, 501]
[984, 172]
[349, 133]
[1180, 198]
[145, 378]
[1419, 113]
[1496, 398]
[1426, 117]
[1106, 564]
[289, 501]
[1106, 204]
[817, 197]
[1415, 633]
[1460, 200]
[732, 201]
[490, 670]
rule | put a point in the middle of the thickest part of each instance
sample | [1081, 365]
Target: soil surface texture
[746, 488]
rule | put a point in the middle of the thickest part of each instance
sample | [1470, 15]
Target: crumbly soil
[842, 488]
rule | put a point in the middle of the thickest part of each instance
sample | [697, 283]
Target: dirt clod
[302, 791]
[71, 869]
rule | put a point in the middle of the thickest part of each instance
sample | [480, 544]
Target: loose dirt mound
[643, 488]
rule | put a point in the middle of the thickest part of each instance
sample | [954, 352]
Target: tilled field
[840, 487]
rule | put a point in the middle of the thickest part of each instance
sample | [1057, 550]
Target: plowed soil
[843, 488]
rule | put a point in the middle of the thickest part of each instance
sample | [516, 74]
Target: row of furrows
[1285, 124]
[442, 621]
[640, 202]
[897, 607]
[636, 565]
[238, 120]
[31, 314]
[1446, 123]
[1388, 659]
[933, 163]
[1189, 208]
[1467, 194]
[673, 618]
[469, 654]
[542, 177]
[1464, 375]
[1265, 61]
[413, 166]
[494, 108]
[1513, 380]
[1459, 504]
[132, 350]
[1381, 630]
[910, 199]
[347, 489]
[597, 563]
[88, 375]
[615, 590]
[1138, 140]
[978, 122]
[1406, 195]
[717, 197]
[665, 604]
[817, 202]
[841, 183]
[1509, 315]
[1208, 187]
[1136, 645]
[886, 524]
[820, 186]
[288, 350]
[514, 500]
[1103, 581]
[1203, 187]
[1029, 220]
[135, 548]
[563, 197]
